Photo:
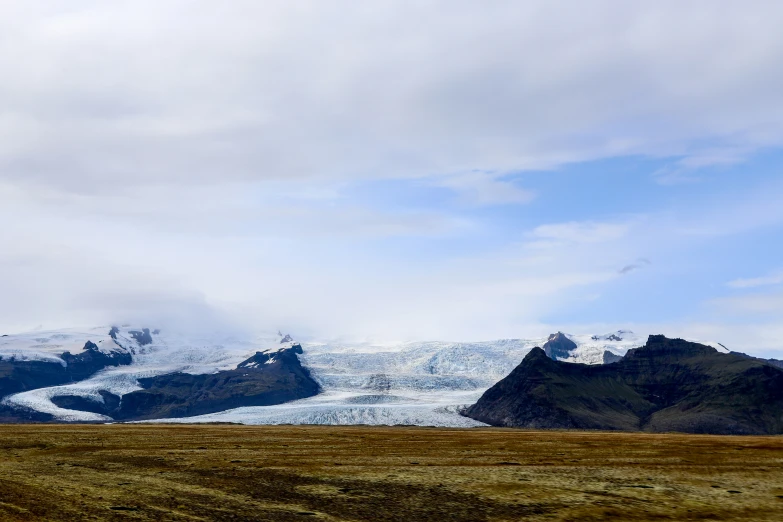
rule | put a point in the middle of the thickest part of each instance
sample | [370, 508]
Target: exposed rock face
[142, 337]
[73, 402]
[666, 385]
[17, 376]
[610, 357]
[84, 364]
[264, 379]
[558, 346]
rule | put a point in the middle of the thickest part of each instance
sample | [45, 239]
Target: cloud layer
[369, 168]
[100, 95]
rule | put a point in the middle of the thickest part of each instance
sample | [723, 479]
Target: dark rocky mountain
[666, 385]
[22, 375]
[559, 346]
[142, 337]
[610, 357]
[264, 379]
[71, 402]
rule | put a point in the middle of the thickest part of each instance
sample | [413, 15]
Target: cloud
[480, 188]
[182, 93]
[689, 169]
[754, 282]
[582, 232]
[165, 158]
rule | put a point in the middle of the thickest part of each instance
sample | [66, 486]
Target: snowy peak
[559, 346]
[142, 337]
[134, 339]
[617, 336]
[591, 349]
[286, 354]
[51, 345]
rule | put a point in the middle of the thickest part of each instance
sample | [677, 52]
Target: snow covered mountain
[424, 383]
[153, 353]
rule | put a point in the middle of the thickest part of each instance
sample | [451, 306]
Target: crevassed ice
[416, 383]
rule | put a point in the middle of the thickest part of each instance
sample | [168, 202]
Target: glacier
[410, 383]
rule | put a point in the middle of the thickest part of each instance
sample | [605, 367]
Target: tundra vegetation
[233, 472]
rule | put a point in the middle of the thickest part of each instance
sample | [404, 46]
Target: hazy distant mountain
[666, 385]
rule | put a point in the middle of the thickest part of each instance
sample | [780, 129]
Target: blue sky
[679, 251]
[395, 170]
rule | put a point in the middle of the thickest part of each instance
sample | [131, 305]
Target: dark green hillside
[667, 385]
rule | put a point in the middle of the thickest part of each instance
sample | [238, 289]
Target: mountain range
[127, 373]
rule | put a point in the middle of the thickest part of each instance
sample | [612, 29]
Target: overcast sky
[395, 170]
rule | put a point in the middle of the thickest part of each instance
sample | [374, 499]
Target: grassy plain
[226, 472]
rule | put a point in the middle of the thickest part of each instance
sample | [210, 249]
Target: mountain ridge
[666, 385]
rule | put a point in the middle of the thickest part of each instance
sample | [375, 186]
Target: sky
[395, 170]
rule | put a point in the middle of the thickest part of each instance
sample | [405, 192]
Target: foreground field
[132, 472]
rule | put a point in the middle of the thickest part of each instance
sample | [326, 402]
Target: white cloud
[686, 170]
[214, 254]
[481, 188]
[582, 232]
[753, 282]
[104, 95]
[158, 157]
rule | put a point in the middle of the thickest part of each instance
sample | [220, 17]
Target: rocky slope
[773, 362]
[19, 374]
[559, 346]
[266, 378]
[666, 385]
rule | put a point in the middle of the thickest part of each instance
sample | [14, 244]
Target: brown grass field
[226, 472]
